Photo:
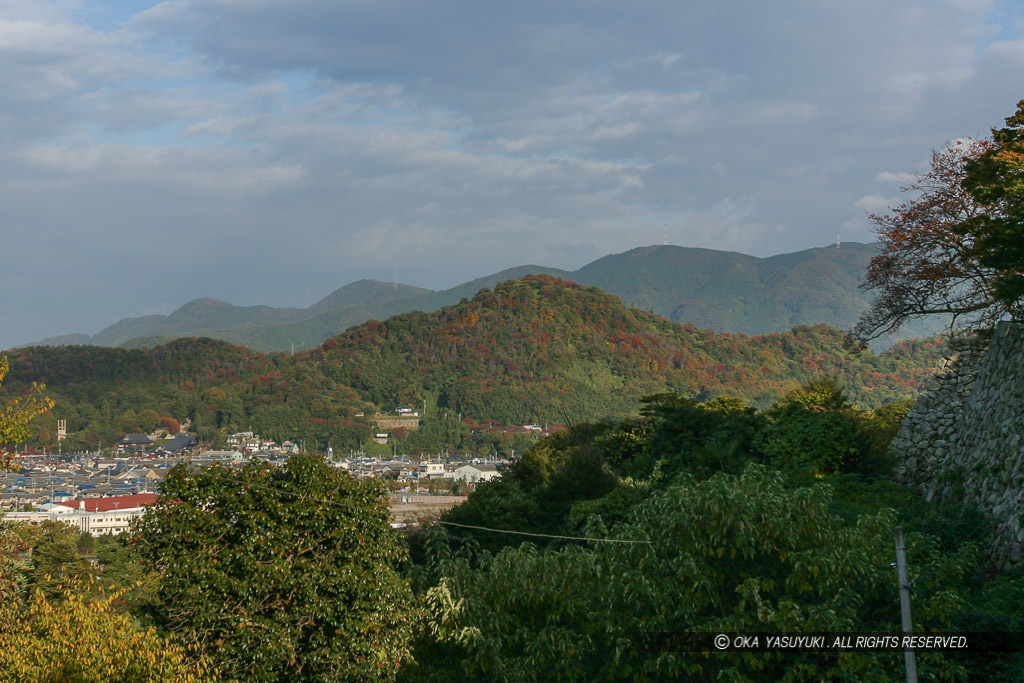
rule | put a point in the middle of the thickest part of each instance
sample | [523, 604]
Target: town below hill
[100, 495]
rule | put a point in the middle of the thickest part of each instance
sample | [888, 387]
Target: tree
[13, 566]
[928, 263]
[813, 427]
[55, 558]
[996, 178]
[280, 573]
[120, 570]
[69, 628]
[733, 553]
[83, 639]
[17, 415]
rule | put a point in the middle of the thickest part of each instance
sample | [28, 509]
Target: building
[430, 470]
[134, 443]
[97, 516]
[473, 474]
[180, 442]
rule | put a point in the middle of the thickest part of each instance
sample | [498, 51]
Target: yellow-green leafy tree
[16, 415]
[84, 639]
[74, 635]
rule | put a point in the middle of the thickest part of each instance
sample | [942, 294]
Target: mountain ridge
[537, 350]
[724, 291]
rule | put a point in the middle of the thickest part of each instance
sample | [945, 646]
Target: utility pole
[908, 624]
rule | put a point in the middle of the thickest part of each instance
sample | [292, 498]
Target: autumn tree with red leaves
[927, 262]
[957, 247]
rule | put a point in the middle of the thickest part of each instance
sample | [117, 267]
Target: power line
[464, 526]
[527, 533]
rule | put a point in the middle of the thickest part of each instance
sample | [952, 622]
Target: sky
[271, 151]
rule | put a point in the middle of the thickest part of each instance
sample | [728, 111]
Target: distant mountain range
[535, 350]
[717, 290]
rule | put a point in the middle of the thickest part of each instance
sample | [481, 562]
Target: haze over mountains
[717, 290]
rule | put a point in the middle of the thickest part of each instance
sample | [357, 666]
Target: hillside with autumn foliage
[538, 349]
[541, 348]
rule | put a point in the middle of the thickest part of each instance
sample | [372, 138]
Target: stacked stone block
[964, 438]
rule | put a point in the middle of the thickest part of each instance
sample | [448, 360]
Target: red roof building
[139, 500]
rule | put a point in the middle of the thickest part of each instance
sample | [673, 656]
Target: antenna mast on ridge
[666, 233]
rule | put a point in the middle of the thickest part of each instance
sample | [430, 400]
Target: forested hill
[541, 348]
[719, 290]
[538, 349]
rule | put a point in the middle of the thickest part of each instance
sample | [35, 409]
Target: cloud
[875, 203]
[330, 141]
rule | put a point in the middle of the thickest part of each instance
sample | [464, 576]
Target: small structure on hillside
[134, 443]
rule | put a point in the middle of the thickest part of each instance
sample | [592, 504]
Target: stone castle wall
[964, 438]
[394, 422]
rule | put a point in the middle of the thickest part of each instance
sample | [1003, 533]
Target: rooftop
[114, 503]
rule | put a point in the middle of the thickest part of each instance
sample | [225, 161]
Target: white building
[96, 516]
[430, 470]
[473, 474]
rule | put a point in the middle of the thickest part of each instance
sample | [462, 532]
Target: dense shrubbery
[732, 553]
[773, 521]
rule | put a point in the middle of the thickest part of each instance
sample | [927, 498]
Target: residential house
[430, 470]
[473, 474]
